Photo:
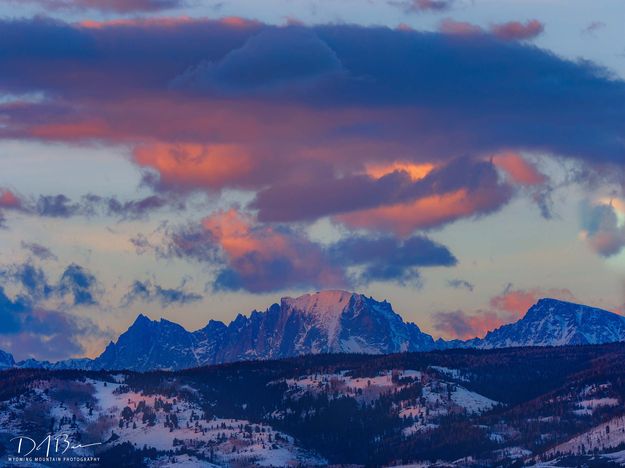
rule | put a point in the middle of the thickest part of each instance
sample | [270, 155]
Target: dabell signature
[55, 445]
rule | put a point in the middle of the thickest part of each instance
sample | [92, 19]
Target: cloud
[10, 312]
[39, 251]
[462, 28]
[593, 27]
[420, 6]
[80, 284]
[32, 280]
[146, 291]
[29, 331]
[393, 201]
[510, 31]
[518, 169]
[260, 257]
[389, 259]
[460, 284]
[451, 200]
[268, 63]
[459, 324]
[516, 302]
[517, 31]
[114, 6]
[56, 206]
[193, 166]
[75, 282]
[601, 228]
[8, 201]
[140, 208]
[61, 206]
[511, 305]
[218, 105]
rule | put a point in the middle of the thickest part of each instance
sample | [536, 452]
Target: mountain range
[328, 322]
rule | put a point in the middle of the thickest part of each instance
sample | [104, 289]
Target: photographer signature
[57, 445]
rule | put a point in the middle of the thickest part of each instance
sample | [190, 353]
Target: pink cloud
[518, 169]
[518, 31]
[264, 258]
[117, 6]
[460, 325]
[449, 26]
[426, 212]
[8, 199]
[197, 166]
[517, 302]
[508, 307]
[510, 31]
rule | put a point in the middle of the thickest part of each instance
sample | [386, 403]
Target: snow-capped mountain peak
[552, 322]
[6, 360]
[329, 322]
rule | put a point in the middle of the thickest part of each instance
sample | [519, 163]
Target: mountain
[328, 322]
[6, 360]
[551, 322]
[323, 322]
[149, 344]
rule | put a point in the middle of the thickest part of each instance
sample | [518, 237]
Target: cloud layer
[260, 257]
[306, 111]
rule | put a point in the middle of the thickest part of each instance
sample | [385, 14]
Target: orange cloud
[517, 302]
[264, 258]
[518, 169]
[449, 26]
[196, 165]
[8, 199]
[164, 22]
[510, 31]
[415, 171]
[422, 213]
[516, 31]
[72, 130]
[507, 307]
[136, 22]
[460, 325]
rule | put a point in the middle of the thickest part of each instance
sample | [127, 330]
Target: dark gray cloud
[27, 330]
[518, 88]
[80, 284]
[56, 206]
[317, 198]
[420, 6]
[108, 6]
[149, 292]
[76, 282]
[38, 250]
[461, 284]
[602, 229]
[278, 257]
[389, 258]
[295, 58]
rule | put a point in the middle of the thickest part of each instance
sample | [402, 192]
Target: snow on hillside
[602, 437]
[364, 389]
[438, 397]
[101, 411]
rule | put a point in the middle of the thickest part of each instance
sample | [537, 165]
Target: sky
[194, 159]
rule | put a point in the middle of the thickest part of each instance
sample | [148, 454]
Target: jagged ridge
[329, 322]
